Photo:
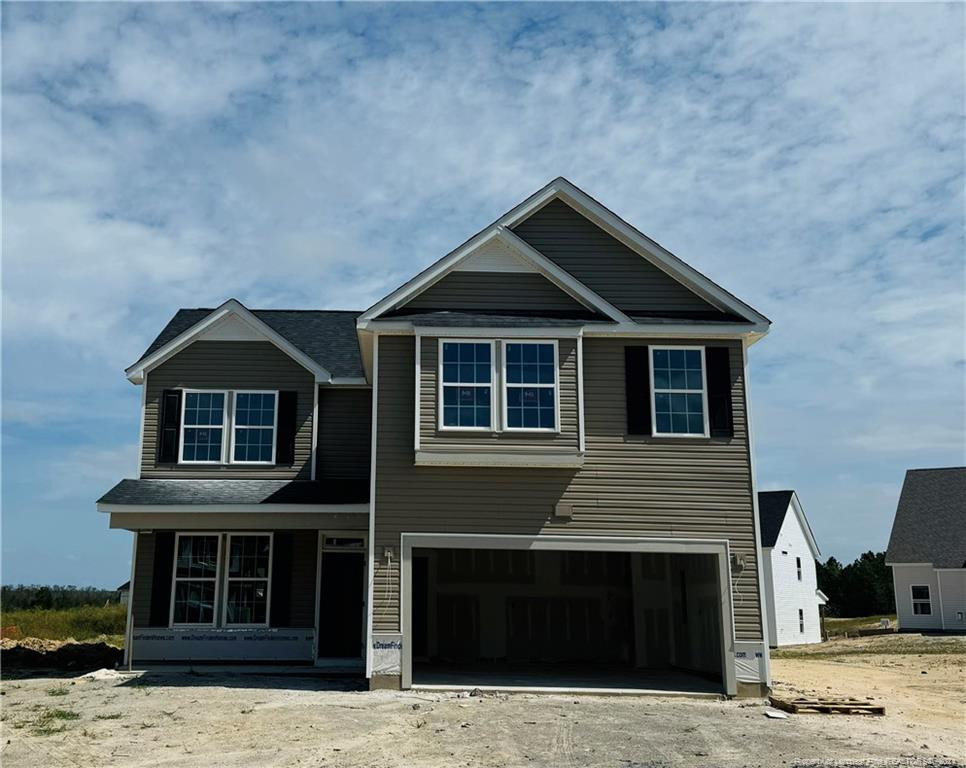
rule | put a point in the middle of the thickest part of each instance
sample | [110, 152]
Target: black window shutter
[281, 579]
[720, 418]
[161, 580]
[637, 385]
[285, 439]
[169, 426]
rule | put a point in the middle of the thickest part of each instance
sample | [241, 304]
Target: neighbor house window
[530, 381]
[466, 373]
[255, 418]
[801, 621]
[195, 579]
[679, 394]
[248, 568]
[921, 603]
[203, 427]
[798, 567]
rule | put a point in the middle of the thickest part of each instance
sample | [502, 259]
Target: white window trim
[268, 579]
[493, 385]
[556, 386]
[704, 392]
[234, 426]
[914, 601]
[175, 579]
[224, 426]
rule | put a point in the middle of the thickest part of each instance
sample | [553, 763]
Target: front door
[341, 602]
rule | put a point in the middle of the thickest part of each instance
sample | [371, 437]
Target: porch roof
[202, 493]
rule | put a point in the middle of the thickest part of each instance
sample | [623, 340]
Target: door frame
[718, 547]
[319, 553]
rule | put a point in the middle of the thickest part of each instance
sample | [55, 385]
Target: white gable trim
[638, 242]
[239, 312]
[500, 234]
[796, 506]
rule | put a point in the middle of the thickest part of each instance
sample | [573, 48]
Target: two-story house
[528, 466]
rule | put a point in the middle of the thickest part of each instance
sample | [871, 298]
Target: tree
[862, 588]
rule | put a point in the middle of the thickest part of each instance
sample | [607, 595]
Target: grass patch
[898, 645]
[85, 622]
[111, 716]
[53, 721]
[840, 627]
[62, 690]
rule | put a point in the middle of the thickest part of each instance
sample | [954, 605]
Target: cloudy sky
[808, 158]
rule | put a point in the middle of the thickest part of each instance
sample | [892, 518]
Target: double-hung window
[921, 602]
[530, 385]
[679, 391]
[195, 579]
[254, 423]
[798, 567]
[249, 567]
[466, 373]
[203, 427]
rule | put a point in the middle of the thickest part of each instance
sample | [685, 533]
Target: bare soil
[220, 719]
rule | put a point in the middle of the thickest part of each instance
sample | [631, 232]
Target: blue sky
[808, 158]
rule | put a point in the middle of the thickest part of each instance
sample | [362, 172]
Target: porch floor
[564, 677]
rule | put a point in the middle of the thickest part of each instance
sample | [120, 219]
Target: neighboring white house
[123, 592]
[789, 552]
[927, 550]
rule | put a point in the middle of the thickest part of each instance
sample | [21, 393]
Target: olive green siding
[490, 291]
[229, 365]
[633, 486]
[300, 583]
[433, 438]
[344, 434]
[604, 264]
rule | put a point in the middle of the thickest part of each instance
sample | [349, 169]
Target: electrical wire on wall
[387, 595]
[737, 568]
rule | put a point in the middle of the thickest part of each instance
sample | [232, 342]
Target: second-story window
[203, 435]
[679, 392]
[467, 384]
[255, 418]
[531, 385]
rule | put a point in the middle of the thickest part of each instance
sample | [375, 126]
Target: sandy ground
[168, 719]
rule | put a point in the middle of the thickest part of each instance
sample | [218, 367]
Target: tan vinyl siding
[344, 434]
[229, 365]
[433, 438]
[494, 291]
[630, 486]
[604, 264]
[140, 596]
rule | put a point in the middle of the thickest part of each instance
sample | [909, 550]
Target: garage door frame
[717, 547]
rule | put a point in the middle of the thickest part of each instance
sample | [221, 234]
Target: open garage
[536, 616]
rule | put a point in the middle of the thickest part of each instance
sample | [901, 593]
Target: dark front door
[341, 604]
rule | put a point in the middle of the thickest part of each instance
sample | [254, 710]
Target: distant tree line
[862, 588]
[21, 596]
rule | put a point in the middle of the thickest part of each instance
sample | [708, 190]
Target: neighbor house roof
[930, 524]
[772, 506]
[193, 493]
[326, 337]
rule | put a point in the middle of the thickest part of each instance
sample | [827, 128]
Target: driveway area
[220, 719]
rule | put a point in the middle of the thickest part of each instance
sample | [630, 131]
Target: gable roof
[325, 341]
[527, 253]
[930, 522]
[773, 507]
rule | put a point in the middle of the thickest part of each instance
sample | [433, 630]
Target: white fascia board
[361, 509]
[632, 331]
[544, 266]
[135, 373]
[803, 524]
[638, 242]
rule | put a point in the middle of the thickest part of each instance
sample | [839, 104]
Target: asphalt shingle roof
[448, 318]
[250, 492]
[326, 336]
[772, 506]
[930, 524]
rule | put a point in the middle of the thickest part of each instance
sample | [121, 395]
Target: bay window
[466, 381]
[530, 385]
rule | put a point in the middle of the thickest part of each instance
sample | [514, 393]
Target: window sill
[538, 460]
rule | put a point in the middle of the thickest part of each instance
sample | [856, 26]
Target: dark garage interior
[566, 619]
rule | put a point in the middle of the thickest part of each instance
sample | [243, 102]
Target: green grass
[52, 721]
[111, 716]
[85, 622]
[62, 690]
[839, 627]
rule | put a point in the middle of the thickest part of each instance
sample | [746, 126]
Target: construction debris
[811, 706]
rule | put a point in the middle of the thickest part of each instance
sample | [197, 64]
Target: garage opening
[566, 619]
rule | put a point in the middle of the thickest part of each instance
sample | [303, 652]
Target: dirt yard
[169, 719]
